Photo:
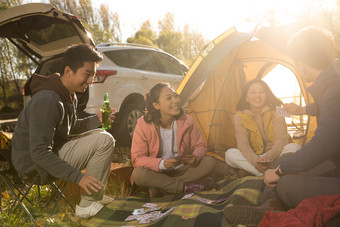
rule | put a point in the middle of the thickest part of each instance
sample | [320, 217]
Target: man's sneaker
[106, 200]
[252, 215]
[89, 211]
[204, 184]
[244, 215]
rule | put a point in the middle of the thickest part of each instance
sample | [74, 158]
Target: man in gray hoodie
[42, 145]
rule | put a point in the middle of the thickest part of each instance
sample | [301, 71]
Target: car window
[144, 60]
[119, 57]
[171, 65]
[51, 33]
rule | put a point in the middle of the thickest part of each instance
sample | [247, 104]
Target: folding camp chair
[21, 187]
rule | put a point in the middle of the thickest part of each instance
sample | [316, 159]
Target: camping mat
[194, 211]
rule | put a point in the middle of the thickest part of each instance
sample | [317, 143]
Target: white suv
[127, 72]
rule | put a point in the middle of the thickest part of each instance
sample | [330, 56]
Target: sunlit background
[211, 18]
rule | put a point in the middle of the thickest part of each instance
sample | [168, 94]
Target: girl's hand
[261, 168]
[262, 163]
[188, 159]
[264, 160]
[171, 163]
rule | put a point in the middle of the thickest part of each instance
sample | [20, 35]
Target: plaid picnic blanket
[201, 209]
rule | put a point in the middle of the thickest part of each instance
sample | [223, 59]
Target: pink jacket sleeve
[144, 148]
[198, 146]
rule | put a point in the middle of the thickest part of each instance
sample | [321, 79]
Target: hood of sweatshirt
[50, 82]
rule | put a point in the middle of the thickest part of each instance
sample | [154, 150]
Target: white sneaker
[106, 200]
[93, 209]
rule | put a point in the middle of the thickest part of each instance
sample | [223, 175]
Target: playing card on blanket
[147, 218]
[208, 201]
[187, 196]
[139, 211]
[150, 205]
[131, 217]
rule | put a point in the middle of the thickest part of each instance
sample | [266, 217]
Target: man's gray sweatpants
[92, 151]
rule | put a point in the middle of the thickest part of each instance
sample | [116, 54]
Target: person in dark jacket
[50, 141]
[315, 168]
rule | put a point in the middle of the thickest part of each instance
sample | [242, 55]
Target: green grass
[64, 215]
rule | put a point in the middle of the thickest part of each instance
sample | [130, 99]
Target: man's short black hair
[76, 55]
[312, 46]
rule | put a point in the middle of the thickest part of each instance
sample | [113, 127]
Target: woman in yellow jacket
[261, 134]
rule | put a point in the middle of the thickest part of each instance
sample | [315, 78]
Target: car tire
[130, 115]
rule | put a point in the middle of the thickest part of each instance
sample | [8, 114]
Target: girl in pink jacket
[168, 151]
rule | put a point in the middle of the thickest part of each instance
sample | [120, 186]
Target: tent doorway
[213, 85]
[283, 83]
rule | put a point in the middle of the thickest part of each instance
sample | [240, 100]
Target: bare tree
[4, 79]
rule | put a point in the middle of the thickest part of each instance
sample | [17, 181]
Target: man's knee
[104, 142]
[107, 139]
[291, 148]
[290, 189]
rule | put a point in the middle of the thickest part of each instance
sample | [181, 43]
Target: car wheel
[131, 114]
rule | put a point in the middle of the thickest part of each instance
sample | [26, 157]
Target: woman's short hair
[312, 46]
[272, 100]
[151, 114]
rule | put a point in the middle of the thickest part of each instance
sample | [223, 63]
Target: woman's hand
[171, 163]
[188, 159]
[262, 163]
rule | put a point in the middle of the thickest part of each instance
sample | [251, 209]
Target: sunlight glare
[297, 6]
[284, 85]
